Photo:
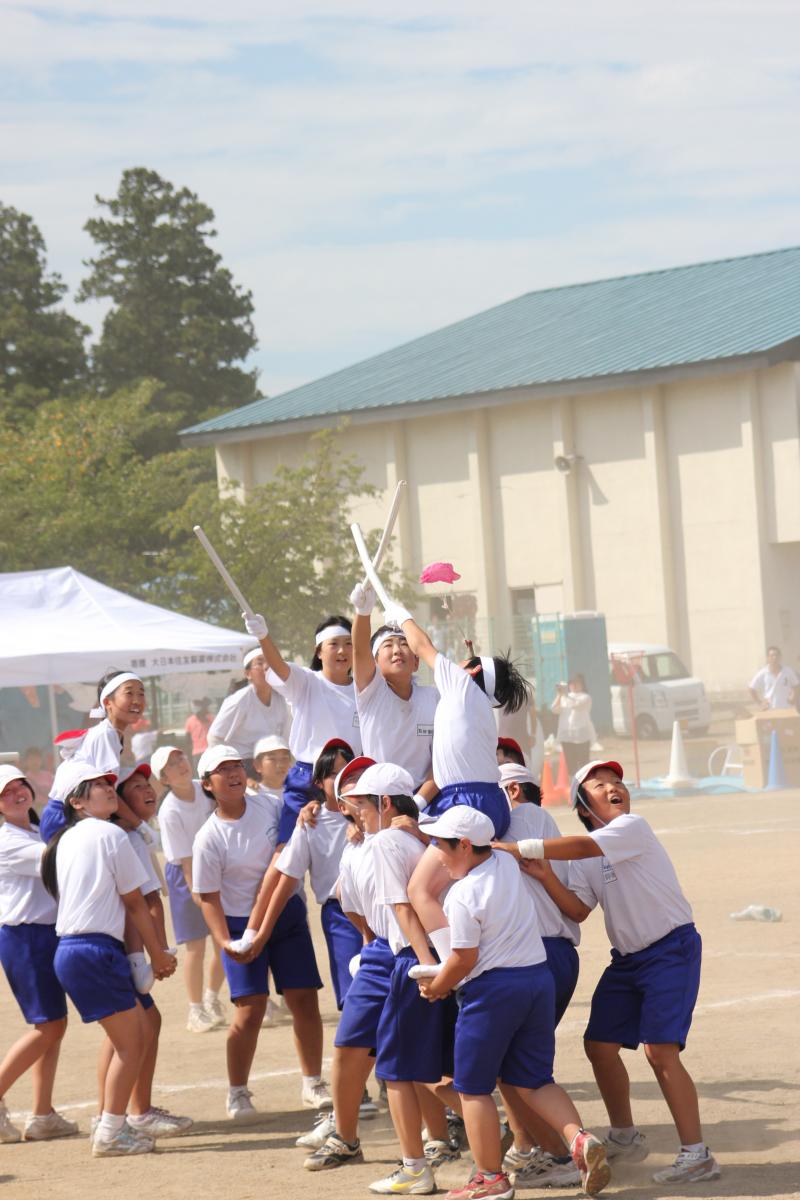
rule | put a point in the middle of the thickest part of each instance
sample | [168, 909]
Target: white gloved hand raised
[395, 614]
[255, 625]
[363, 599]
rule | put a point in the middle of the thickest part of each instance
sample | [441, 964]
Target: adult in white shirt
[93, 871]
[648, 992]
[775, 686]
[252, 712]
[323, 703]
[183, 812]
[573, 705]
[27, 947]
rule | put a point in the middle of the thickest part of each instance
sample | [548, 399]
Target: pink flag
[439, 572]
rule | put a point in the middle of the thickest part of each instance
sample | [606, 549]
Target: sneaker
[367, 1109]
[438, 1152]
[334, 1152]
[125, 1141]
[270, 1015]
[589, 1155]
[383, 1096]
[519, 1160]
[159, 1123]
[215, 1011]
[548, 1171]
[405, 1182]
[324, 1126]
[456, 1130]
[239, 1106]
[478, 1187]
[53, 1125]
[316, 1095]
[8, 1132]
[691, 1166]
[200, 1021]
[633, 1151]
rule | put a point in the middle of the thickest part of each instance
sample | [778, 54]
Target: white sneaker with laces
[316, 1095]
[634, 1151]
[516, 1160]
[405, 1182]
[200, 1021]
[215, 1011]
[159, 1123]
[8, 1132]
[690, 1166]
[52, 1125]
[239, 1105]
[126, 1141]
[324, 1126]
[548, 1171]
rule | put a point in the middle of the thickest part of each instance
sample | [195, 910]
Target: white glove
[242, 943]
[363, 599]
[395, 614]
[255, 625]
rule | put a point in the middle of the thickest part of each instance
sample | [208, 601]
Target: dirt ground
[730, 851]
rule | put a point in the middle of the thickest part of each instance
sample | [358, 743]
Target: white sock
[311, 1080]
[209, 996]
[440, 938]
[624, 1134]
[694, 1148]
[109, 1125]
[195, 1008]
[414, 1164]
[237, 1090]
[136, 1121]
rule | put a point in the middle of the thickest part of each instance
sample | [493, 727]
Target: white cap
[461, 821]
[584, 773]
[72, 773]
[213, 756]
[8, 772]
[269, 743]
[514, 773]
[160, 758]
[385, 779]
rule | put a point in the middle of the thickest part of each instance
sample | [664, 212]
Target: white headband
[111, 686]
[386, 636]
[331, 631]
[251, 654]
[489, 676]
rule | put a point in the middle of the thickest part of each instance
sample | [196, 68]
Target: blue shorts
[188, 922]
[343, 941]
[52, 819]
[296, 794]
[289, 954]
[506, 1030]
[358, 1024]
[564, 964]
[27, 952]
[488, 798]
[94, 972]
[146, 1000]
[649, 996]
[410, 1030]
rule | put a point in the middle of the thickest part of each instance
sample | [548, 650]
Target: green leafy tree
[41, 346]
[176, 314]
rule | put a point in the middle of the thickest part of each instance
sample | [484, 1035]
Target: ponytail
[71, 818]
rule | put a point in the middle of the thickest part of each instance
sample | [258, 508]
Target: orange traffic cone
[562, 782]
[549, 797]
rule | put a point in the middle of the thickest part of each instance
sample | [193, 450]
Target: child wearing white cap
[648, 992]
[252, 712]
[506, 1021]
[27, 948]
[121, 704]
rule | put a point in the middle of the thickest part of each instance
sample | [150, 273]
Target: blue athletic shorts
[410, 1030]
[505, 1030]
[95, 973]
[358, 1024]
[188, 922]
[296, 794]
[649, 996]
[564, 964]
[27, 952]
[343, 941]
[52, 819]
[289, 954]
[488, 798]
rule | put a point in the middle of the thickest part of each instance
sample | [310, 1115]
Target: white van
[664, 692]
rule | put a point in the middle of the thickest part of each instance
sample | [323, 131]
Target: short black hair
[580, 808]
[532, 793]
[777, 649]
[405, 805]
[511, 689]
[453, 842]
[323, 767]
[333, 619]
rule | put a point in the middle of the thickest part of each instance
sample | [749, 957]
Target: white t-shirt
[102, 747]
[243, 719]
[464, 730]
[180, 820]
[318, 851]
[231, 857]
[144, 856]
[95, 865]
[530, 821]
[321, 710]
[776, 689]
[574, 717]
[492, 909]
[634, 883]
[396, 730]
[395, 854]
[23, 897]
[357, 886]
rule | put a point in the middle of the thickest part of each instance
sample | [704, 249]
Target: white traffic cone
[678, 767]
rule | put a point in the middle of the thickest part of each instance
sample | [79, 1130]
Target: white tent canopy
[59, 626]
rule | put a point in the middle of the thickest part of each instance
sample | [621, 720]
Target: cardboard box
[755, 738]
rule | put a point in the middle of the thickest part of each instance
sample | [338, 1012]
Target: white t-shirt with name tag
[179, 822]
[321, 710]
[95, 865]
[395, 854]
[317, 850]
[464, 729]
[492, 909]
[634, 883]
[530, 821]
[396, 730]
[231, 857]
[24, 900]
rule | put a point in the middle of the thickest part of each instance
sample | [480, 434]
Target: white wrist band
[420, 801]
[531, 847]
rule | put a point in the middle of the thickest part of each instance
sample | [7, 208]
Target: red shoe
[479, 1188]
[589, 1155]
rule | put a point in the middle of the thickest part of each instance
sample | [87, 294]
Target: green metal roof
[685, 315]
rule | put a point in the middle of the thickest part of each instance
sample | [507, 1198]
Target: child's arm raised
[418, 640]
[256, 626]
[363, 601]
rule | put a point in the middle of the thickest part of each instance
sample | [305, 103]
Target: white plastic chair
[732, 763]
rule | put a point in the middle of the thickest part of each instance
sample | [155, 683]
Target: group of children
[450, 907]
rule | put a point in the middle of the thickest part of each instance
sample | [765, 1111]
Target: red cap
[336, 744]
[357, 764]
[506, 743]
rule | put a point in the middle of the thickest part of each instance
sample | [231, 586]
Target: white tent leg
[51, 704]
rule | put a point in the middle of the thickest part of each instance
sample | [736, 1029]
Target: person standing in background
[573, 706]
[197, 726]
[775, 686]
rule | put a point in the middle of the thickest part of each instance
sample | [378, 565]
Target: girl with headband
[121, 704]
[251, 713]
[323, 703]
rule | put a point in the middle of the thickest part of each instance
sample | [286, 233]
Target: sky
[379, 170]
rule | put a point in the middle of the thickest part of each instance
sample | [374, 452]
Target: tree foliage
[41, 346]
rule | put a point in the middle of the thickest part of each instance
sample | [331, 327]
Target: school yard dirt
[730, 851]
